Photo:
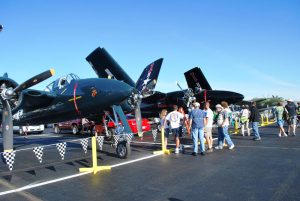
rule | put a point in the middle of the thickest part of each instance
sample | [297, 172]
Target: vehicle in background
[30, 129]
[74, 125]
[146, 126]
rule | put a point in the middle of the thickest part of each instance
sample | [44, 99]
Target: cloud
[269, 78]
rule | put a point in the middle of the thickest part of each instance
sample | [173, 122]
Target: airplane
[67, 98]
[199, 90]
[150, 104]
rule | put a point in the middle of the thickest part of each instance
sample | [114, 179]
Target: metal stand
[95, 167]
[164, 150]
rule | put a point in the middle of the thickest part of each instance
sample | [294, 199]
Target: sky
[251, 47]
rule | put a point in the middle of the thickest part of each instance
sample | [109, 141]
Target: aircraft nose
[123, 90]
[239, 96]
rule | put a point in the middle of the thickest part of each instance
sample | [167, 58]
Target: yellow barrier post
[262, 120]
[164, 150]
[236, 127]
[95, 167]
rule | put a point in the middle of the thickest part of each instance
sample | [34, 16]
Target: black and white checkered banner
[129, 137]
[122, 137]
[100, 140]
[62, 149]
[154, 134]
[116, 139]
[85, 144]
[38, 151]
[10, 159]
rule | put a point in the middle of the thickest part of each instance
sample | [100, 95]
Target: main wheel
[56, 129]
[123, 149]
[75, 129]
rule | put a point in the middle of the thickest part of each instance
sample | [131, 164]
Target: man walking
[254, 118]
[208, 127]
[223, 123]
[174, 119]
[197, 123]
[292, 113]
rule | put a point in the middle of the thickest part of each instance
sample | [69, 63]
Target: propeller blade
[138, 118]
[7, 126]
[35, 80]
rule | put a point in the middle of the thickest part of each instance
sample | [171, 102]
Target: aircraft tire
[123, 150]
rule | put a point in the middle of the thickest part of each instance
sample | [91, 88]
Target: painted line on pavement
[31, 186]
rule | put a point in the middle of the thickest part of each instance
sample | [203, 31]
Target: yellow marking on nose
[72, 99]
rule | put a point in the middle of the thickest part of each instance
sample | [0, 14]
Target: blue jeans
[223, 134]
[198, 133]
[255, 129]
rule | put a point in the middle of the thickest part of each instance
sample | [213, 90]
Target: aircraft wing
[195, 78]
[105, 66]
[34, 99]
[155, 97]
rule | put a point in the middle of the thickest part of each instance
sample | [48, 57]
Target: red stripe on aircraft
[74, 97]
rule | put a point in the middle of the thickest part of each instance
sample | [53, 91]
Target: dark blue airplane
[69, 97]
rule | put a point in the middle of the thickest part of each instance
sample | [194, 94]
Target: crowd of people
[201, 120]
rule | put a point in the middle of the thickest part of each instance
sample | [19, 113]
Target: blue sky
[252, 47]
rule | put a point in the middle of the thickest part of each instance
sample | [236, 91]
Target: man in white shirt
[174, 119]
[208, 127]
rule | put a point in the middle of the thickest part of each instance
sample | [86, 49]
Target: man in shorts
[292, 113]
[174, 118]
[208, 127]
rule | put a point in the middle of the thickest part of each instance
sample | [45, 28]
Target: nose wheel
[123, 149]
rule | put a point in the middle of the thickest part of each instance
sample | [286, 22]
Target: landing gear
[123, 149]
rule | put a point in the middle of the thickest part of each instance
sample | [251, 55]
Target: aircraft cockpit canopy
[61, 82]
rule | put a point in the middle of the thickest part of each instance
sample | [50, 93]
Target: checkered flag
[100, 140]
[116, 139]
[62, 149]
[154, 134]
[85, 144]
[38, 151]
[129, 137]
[10, 159]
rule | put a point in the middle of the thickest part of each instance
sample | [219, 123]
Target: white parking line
[31, 186]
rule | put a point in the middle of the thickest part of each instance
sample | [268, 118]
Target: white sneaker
[279, 135]
[285, 135]
[218, 147]
[231, 147]
[176, 150]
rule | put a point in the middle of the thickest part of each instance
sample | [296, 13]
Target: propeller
[135, 102]
[189, 96]
[8, 94]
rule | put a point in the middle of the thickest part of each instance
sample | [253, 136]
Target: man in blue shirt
[197, 123]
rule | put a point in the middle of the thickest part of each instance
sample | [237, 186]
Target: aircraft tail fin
[5, 75]
[148, 79]
[106, 67]
[196, 79]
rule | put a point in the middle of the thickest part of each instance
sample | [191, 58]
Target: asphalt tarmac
[263, 170]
